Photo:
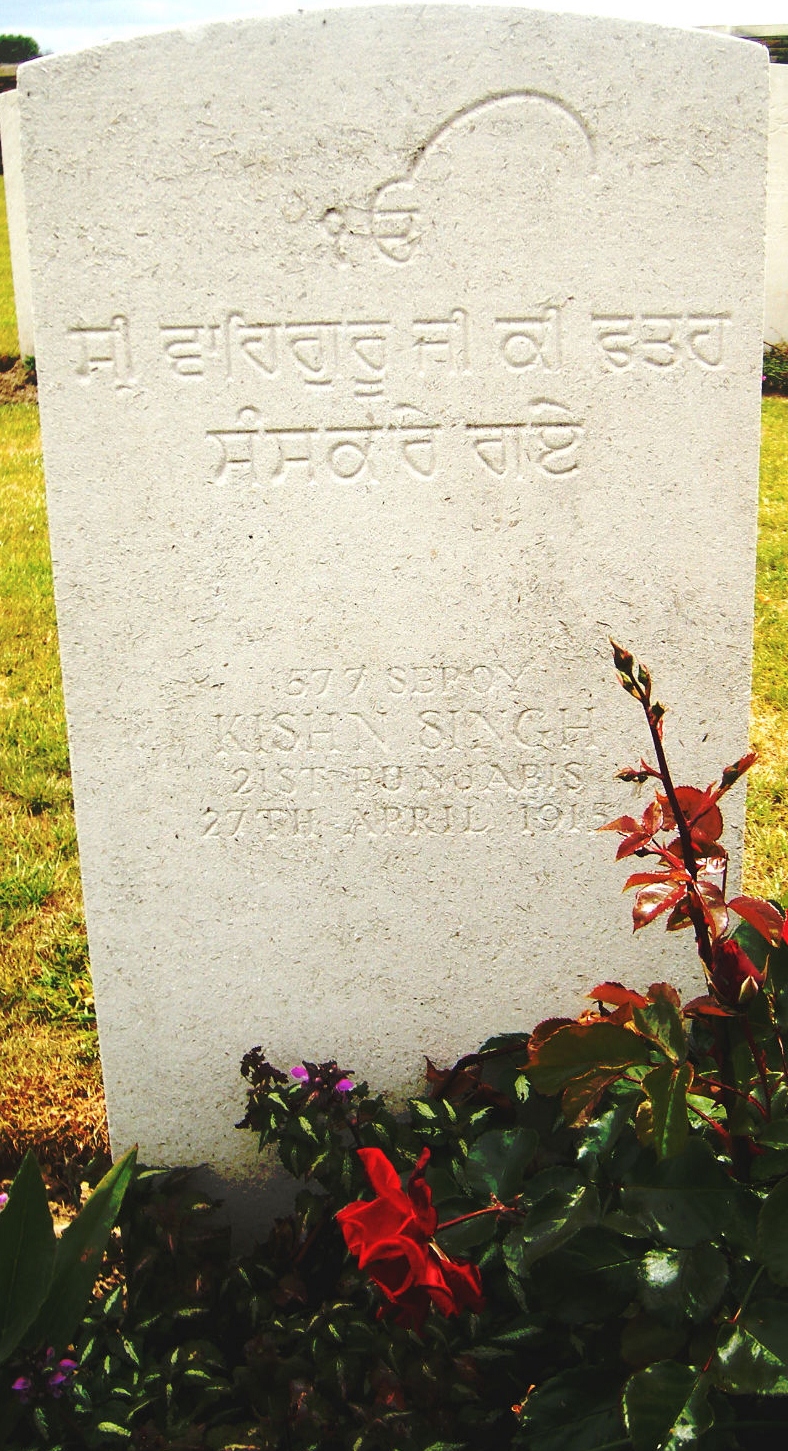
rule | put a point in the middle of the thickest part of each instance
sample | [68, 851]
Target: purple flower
[344, 1085]
[61, 1377]
[300, 1072]
[3, 1200]
[48, 1377]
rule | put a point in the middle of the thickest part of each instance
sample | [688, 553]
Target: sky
[66, 25]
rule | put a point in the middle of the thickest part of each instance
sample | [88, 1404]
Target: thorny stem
[702, 939]
[748, 1294]
[713, 1124]
[496, 1208]
[724, 1088]
[688, 851]
[778, 1035]
[758, 1057]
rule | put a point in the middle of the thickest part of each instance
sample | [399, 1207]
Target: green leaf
[602, 1134]
[776, 977]
[752, 1355]
[666, 1407]
[668, 1123]
[549, 1223]
[682, 1200]
[662, 1021]
[461, 1237]
[578, 1049]
[645, 1339]
[496, 1164]
[27, 1254]
[679, 1282]
[573, 1411]
[422, 1109]
[597, 1268]
[78, 1258]
[771, 1239]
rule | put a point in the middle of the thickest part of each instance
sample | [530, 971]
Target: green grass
[50, 1089]
[766, 849]
[9, 342]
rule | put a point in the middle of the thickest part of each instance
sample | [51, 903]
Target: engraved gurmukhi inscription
[343, 362]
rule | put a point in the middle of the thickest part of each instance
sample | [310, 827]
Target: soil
[17, 381]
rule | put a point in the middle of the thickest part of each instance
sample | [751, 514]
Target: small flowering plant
[45, 1285]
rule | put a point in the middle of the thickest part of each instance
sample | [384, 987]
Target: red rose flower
[392, 1236]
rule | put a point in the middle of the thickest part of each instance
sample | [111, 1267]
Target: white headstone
[17, 225]
[777, 209]
[390, 361]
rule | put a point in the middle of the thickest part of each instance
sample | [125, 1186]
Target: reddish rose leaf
[706, 1007]
[579, 1049]
[664, 992]
[582, 1095]
[701, 812]
[618, 995]
[641, 879]
[631, 844]
[622, 824]
[713, 905]
[545, 1030]
[732, 773]
[652, 901]
[763, 916]
[652, 817]
[679, 917]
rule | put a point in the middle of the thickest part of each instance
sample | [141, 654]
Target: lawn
[50, 1083]
[9, 343]
[766, 851]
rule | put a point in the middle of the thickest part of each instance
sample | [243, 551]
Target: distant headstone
[776, 330]
[390, 361]
[17, 224]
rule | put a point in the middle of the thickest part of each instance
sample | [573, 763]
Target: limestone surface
[10, 140]
[390, 361]
[776, 328]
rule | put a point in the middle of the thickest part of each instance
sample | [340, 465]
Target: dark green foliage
[775, 368]
[632, 1301]
[14, 49]
[602, 1205]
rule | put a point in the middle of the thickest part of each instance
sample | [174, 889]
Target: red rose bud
[734, 977]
